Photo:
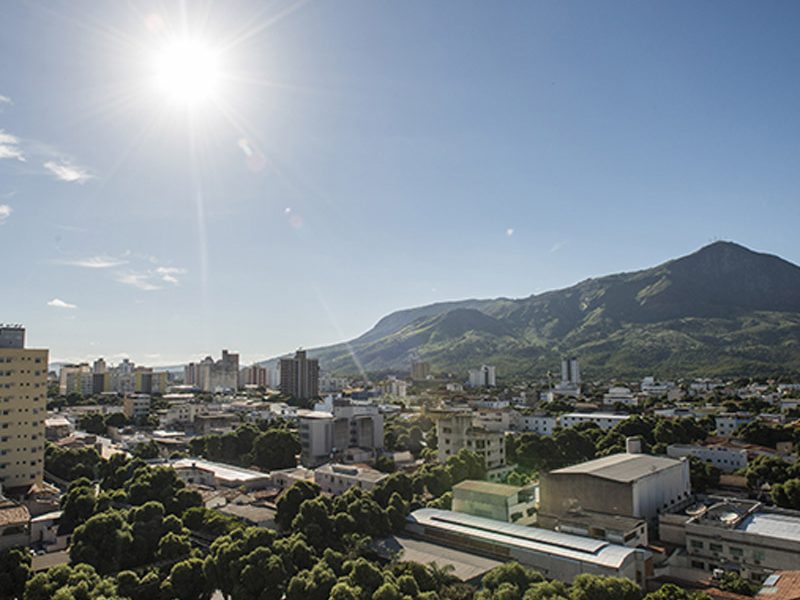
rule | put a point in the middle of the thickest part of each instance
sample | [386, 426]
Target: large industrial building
[556, 555]
[23, 395]
[498, 501]
[614, 497]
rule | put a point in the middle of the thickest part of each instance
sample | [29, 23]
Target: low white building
[620, 395]
[604, 421]
[541, 424]
[726, 458]
[728, 423]
[336, 478]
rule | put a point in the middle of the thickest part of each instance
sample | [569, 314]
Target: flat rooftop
[773, 525]
[596, 415]
[621, 467]
[541, 541]
[221, 471]
[487, 487]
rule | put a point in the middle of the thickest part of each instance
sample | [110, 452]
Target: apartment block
[23, 409]
[300, 376]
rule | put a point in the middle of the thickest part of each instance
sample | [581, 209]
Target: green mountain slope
[723, 310]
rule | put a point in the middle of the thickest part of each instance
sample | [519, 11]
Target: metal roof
[774, 525]
[487, 487]
[621, 467]
[534, 539]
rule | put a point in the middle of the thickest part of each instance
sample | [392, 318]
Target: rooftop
[773, 525]
[595, 415]
[543, 541]
[220, 470]
[487, 487]
[12, 513]
[621, 467]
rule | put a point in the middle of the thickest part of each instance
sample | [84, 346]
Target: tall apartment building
[76, 379]
[23, 408]
[254, 375]
[570, 371]
[420, 370]
[483, 377]
[300, 376]
[213, 376]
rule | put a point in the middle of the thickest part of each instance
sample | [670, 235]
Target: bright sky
[330, 162]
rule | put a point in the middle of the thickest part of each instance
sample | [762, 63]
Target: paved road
[51, 559]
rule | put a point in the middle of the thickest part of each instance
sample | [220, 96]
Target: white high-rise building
[483, 377]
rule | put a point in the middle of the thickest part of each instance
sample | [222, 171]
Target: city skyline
[357, 173]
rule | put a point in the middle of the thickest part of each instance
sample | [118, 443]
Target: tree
[275, 449]
[289, 503]
[733, 582]
[186, 581]
[670, 591]
[15, 569]
[703, 475]
[314, 522]
[513, 573]
[594, 587]
[93, 423]
[146, 450]
[173, 546]
[101, 542]
[787, 494]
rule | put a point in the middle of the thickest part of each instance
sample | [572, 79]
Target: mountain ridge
[721, 310]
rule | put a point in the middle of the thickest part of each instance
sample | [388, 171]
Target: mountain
[723, 310]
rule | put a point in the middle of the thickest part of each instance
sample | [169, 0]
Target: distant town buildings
[455, 430]
[214, 376]
[255, 375]
[482, 377]
[300, 376]
[570, 371]
[23, 390]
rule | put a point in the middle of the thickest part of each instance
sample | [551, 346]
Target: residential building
[555, 555]
[620, 395]
[254, 375]
[482, 377]
[496, 501]
[728, 423]
[656, 389]
[570, 372]
[394, 387]
[726, 458]
[148, 381]
[23, 409]
[14, 524]
[316, 437]
[542, 424]
[336, 478]
[604, 421]
[76, 379]
[206, 472]
[136, 407]
[214, 376]
[455, 430]
[300, 376]
[420, 370]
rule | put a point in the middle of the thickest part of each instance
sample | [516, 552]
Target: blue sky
[363, 157]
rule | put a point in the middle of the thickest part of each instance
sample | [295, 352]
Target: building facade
[23, 409]
[300, 376]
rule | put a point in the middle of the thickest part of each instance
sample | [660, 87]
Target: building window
[697, 544]
[715, 547]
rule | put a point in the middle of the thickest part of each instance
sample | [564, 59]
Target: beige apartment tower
[23, 408]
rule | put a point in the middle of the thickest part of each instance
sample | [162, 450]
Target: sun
[187, 72]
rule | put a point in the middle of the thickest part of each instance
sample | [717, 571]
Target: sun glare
[187, 72]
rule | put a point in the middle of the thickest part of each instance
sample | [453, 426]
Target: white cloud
[557, 246]
[5, 100]
[94, 262]
[59, 303]
[141, 281]
[168, 274]
[9, 146]
[510, 231]
[64, 171]
[5, 212]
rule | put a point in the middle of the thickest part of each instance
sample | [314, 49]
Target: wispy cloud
[59, 303]
[141, 281]
[557, 246]
[5, 212]
[510, 231]
[94, 262]
[4, 100]
[9, 146]
[64, 171]
[169, 274]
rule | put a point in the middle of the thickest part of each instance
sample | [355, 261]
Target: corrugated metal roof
[621, 467]
[487, 487]
[562, 545]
